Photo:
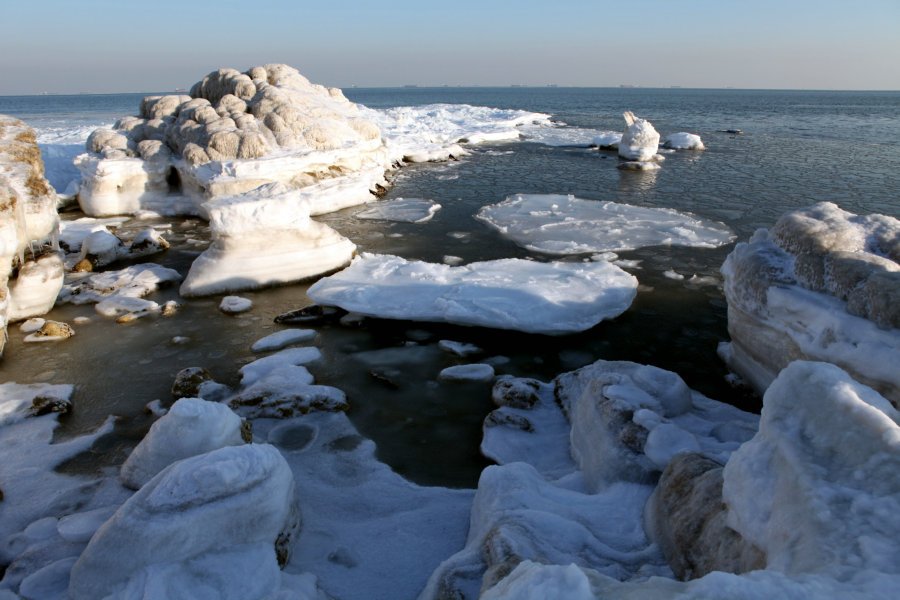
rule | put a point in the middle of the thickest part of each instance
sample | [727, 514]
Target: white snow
[263, 238]
[235, 304]
[684, 141]
[404, 210]
[564, 224]
[552, 298]
[135, 281]
[252, 372]
[283, 339]
[640, 142]
[191, 427]
[472, 372]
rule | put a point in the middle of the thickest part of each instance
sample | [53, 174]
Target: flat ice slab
[403, 210]
[558, 224]
[551, 298]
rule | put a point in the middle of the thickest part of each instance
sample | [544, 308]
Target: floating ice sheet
[558, 224]
[404, 210]
[552, 298]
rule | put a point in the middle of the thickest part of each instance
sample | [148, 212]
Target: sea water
[795, 148]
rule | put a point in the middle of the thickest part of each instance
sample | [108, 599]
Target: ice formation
[574, 474]
[119, 292]
[28, 220]
[683, 141]
[551, 298]
[823, 284]
[640, 142]
[264, 238]
[234, 132]
[404, 210]
[191, 427]
[558, 224]
[223, 516]
[282, 339]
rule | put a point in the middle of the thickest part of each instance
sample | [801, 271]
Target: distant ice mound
[28, 220]
[551, 298]
[233, 133]
[558, 224]
[640, 142]
[683, 141]
[823, 284]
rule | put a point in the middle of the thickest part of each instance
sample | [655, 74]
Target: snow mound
[551, 298]
[223, 516]
[640, 142]
[191, 427]
[558, 224]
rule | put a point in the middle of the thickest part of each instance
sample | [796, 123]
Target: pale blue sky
[125, 46]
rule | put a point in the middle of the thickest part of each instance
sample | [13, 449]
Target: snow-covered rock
[135, 281]
[234, 132]
[261, 239]
[823, 284]
[564, 224]
[640, 142]
[191, 427]
[817, 488]
[683, 141]
[222, 520]
[27, 217]
[283, 339]
[473, 372]
[34, 291]
[232, 305]
[551, 298]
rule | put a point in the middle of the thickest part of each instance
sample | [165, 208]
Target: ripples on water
[797, 148]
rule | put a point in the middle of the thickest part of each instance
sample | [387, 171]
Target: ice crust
[564, 224]
[404, 210]
[550, 298]
[821, 285]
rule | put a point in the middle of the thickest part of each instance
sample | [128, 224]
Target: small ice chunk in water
[235, 304]
[283, 339]
[404, 210]
[474, 372]
[458, 348]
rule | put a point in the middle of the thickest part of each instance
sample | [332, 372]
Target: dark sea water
[797, 148]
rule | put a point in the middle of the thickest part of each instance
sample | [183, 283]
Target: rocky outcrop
[234, 132]
[28, 220]
[823, 284]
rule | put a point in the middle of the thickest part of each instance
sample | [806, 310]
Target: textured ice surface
[558, 224]
[404, 210]
[551, 298]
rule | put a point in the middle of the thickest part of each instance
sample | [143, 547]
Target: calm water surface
[797, 148]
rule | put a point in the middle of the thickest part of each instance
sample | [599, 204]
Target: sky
[106, 46]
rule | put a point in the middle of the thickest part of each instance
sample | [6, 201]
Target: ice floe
[551, 298]
[283, 339]
[558, 224]
[404, 210]
[683, 141]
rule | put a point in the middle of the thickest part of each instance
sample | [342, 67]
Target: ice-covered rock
[34, 291]
[629, 420]
[232, 305]
[551, 298]
[640, 142]
[823, 284]
[285, 392]
[191, 427]
[235, 132]
[224, 519]
[564, 224]
[135, 281]
[27, 219]
[817, 488]
[683, 141]
[283, 339]
[404, 210]
[261, 239]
